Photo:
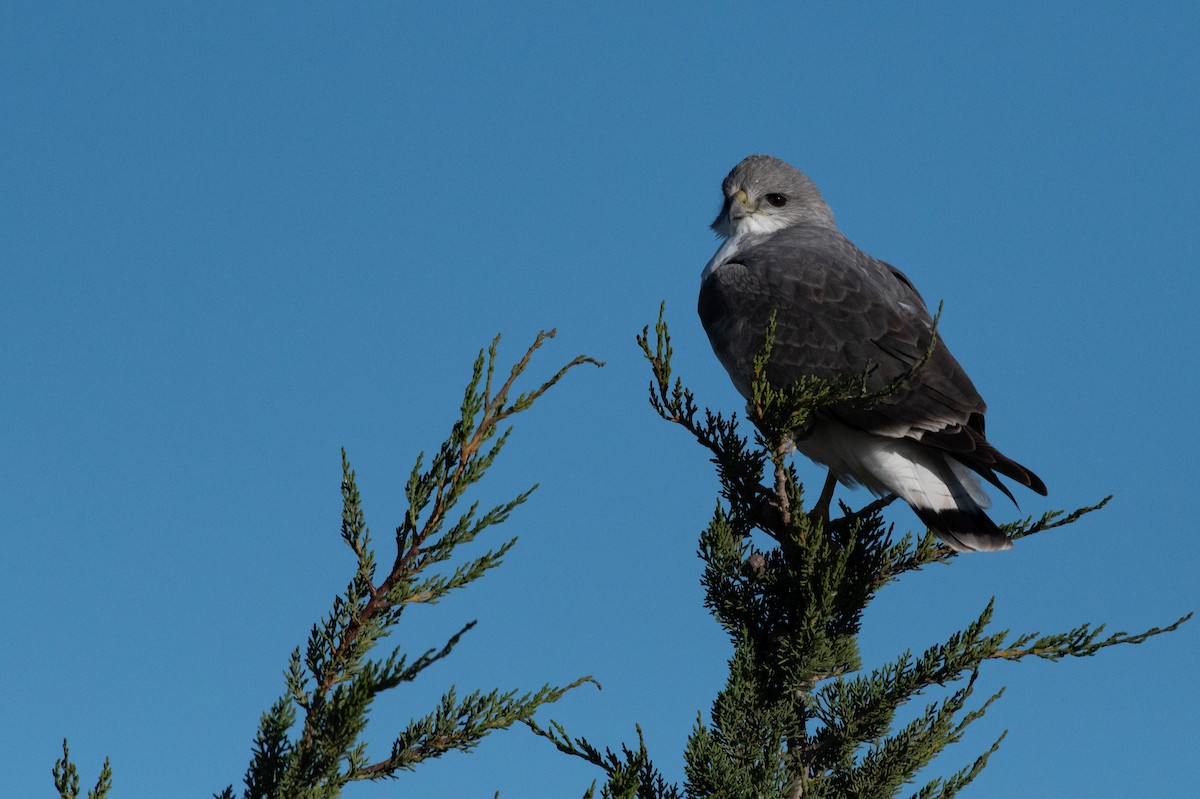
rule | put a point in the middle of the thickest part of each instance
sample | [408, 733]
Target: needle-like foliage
[333, 681]
[66, 778]
[310, 744]
[799, 716]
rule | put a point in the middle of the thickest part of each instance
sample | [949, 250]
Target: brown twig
[495, 409]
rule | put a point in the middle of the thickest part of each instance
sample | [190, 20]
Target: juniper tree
[799, 716]
[309, 743]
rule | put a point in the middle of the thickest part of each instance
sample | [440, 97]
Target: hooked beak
[737, 206]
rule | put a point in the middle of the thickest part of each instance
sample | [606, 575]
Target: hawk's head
[764, 194]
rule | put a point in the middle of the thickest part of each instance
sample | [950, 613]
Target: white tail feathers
[944, 493]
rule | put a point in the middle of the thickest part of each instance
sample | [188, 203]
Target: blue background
[236, 237]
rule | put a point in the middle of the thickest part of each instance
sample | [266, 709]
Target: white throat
[729, 249]
[747, 231]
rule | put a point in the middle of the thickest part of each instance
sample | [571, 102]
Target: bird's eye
[777, 200]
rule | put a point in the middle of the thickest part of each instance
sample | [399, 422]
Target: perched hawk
[838, 311]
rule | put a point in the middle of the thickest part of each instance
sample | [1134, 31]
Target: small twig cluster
[66, 778]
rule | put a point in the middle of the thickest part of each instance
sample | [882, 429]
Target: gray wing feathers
[838, 310]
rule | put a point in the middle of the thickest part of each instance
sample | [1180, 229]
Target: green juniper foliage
[798, 716]
[332, 684]
[66, 778]
[309, 743]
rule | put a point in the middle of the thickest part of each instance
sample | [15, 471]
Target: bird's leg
[820, 511]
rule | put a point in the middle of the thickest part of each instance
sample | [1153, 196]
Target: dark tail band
[964, 531]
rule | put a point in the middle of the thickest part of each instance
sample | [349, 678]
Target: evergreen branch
[459, 725]
[850, 517]
[457, 465]
[739, 466]
[1079, 642]
[496, 407]
[930, 550]
[926, 551]
[630, 774]
[949, 787]
[272, 751]
[354, 526]
[893, 762]
[577, 747]
[863, 708]
[433, 589]
[1052, 519]
[333, 683]
[430, 656]
[66, 778]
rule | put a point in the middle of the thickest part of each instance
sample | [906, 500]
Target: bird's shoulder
[839, 310]
[811, 270]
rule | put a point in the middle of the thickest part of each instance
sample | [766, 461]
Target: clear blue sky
[236, 237]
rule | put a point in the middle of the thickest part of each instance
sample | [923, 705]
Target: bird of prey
[838, 312]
